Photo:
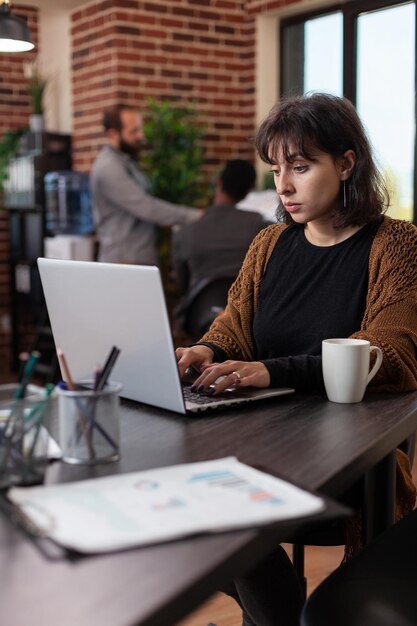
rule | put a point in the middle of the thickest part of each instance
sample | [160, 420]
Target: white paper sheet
[128, 510]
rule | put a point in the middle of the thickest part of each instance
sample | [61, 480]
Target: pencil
[71, 387]
[65, 369]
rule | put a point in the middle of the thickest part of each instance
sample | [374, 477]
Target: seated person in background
[336, 268]
[216, 245]
[214, 248]
[125, 211]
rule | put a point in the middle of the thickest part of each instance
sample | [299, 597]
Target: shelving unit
[39, 153]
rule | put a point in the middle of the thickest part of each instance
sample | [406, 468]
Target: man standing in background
[125, 212]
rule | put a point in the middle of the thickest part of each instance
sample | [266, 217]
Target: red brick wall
[14, 113]
[14, 98]
[199, 52]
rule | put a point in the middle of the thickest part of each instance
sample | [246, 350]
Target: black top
[309, 293]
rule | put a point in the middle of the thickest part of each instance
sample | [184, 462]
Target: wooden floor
[223, 611]
[319, 562]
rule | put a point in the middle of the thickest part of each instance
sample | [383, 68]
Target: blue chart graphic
[172, 503]
[146, 485]
[230, 480]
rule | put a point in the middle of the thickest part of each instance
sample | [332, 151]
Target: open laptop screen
[93, 306]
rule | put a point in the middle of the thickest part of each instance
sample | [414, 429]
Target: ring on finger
[238, 376]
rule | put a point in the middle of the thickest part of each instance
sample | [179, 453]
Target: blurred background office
[228, 63]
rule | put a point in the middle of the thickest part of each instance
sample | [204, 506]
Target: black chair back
[377, 587]
[205, 301]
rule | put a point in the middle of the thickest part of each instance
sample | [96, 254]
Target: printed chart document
[128, 510]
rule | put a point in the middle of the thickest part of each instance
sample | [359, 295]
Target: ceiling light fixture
[14, 32]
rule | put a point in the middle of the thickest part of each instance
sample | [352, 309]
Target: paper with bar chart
[156, 505]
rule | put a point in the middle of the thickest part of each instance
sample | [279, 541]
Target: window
[365, 50]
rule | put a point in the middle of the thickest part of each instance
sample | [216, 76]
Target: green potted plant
[173, 161]
[8, 148]
[174, 157]
[36, 82]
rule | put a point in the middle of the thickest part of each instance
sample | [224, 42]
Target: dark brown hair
[330, 124]
[237, 178]
[111, 116]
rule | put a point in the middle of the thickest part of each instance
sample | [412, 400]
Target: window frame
[350, 12]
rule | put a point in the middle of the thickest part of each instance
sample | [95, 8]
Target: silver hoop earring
[344, 194]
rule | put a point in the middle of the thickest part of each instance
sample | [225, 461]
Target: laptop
[94, 306]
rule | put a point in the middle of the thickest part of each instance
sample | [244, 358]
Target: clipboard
[162, 504]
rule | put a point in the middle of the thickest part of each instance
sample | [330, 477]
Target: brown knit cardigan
[389, 321]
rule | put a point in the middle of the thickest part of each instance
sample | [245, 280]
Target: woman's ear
[346, 164]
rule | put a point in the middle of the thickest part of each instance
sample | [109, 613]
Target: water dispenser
[68, 203]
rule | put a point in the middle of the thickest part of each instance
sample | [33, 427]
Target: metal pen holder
[89, 423]
[24, 436]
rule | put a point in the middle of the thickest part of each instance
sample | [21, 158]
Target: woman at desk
[336, 268]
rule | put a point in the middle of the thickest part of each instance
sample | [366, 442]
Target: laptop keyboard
[204, 398]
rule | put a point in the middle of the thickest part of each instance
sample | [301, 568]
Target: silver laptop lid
[93, 306]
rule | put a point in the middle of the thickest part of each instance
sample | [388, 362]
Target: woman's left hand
[218, 376]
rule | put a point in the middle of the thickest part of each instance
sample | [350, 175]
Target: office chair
[377, 587]
[331, 534]
[204, 302]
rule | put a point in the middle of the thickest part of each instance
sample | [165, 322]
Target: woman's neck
[326, 235]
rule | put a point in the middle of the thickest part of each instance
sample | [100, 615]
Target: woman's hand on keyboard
[198, 357]
[217, 377]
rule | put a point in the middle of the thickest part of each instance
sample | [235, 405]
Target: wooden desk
[318, 444]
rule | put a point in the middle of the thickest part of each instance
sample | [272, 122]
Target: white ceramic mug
[346, 368]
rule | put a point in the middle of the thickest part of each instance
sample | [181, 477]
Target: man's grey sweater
[125, 212]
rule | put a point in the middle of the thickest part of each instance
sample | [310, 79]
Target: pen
[39, 406]
[9, 428]
[23, 358]
[27, 373]
[92, 411]
[107, 368]
[97, 376]
[99, 384]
